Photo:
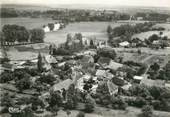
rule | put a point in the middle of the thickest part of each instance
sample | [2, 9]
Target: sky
[154, 3]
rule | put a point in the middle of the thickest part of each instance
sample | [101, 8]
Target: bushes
[6, 76]
[103, 95]
[80, 114]
[37, 35]
[61, 51]
[107, 53]
[36, 102]
[118, 103]
[89, 106]
[49, 79]
[147, 111]
[24, 83]
[55, 99]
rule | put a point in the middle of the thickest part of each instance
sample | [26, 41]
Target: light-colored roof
[100, 73]
[50, 59]
[138, 77]
[64, 84]
[126, 87]
[114, 65]
[112, 87]
[149, 82]
[125, 43]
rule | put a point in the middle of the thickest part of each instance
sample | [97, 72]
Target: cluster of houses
[56, 27]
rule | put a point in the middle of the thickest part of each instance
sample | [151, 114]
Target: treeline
[152, 16]
[12, 34]
[87, 15]
[68, 15]
[11, 12]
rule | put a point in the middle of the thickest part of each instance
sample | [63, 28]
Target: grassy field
[89, 29]
[27, 22]
[164, 25]
[27, 52]
[104, 112]
[145, 35]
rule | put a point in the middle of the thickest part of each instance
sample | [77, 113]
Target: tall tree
[109, 29]
[39, 63]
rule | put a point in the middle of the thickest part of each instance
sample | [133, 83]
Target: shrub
[24, 83]
[80, 114]
[118, 103]
[89, 106]
[49, 79]
[6, 76]
[147, 111]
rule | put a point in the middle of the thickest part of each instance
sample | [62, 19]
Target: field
[89, 29]
[27, 52]
[145, 35]
[164, 25]
[27, 22]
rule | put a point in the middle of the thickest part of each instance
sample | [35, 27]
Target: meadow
[29, 23]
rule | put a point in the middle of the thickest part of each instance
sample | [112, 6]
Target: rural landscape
[79, 60]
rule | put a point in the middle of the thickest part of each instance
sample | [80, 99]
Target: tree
[51, 26]
[153, 37]
[14, 33]
[49, 79]
[102, 94]
[37, 35]
[89, 106]
[6, 100]
[118, 103]
[147, 111]
[107, 53]
[71, 97]
[109, 29]
[167, 70]
[55, 99]
[155, 67]
[6, 76]
[91, 43]
[24, 83]
[39, 63]
[36, 102]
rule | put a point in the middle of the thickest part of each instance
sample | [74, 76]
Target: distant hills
[124, 9]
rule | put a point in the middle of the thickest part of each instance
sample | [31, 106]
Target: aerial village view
[78, 59]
